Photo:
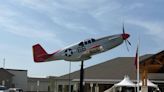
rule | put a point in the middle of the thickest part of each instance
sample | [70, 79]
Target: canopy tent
[125, 82]
[112, 89]
[149, 84]
[126, 85]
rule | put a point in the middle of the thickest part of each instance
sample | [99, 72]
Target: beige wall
[19, 79]
[33, 85]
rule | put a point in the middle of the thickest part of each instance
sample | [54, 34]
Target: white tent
[149, 84]
[112, 89]
[125, 82]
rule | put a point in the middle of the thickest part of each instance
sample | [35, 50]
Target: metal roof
[154, 63]
[112, 69]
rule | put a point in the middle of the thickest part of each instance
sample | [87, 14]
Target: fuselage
[86, 49]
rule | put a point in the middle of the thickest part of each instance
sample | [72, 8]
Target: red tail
[39, 54]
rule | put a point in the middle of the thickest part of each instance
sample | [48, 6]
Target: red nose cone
[125, 36]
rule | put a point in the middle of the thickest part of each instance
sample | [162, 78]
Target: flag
[136, 58]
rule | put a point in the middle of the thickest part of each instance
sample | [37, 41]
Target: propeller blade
[123, 29]
[129, 43]
[126, 45]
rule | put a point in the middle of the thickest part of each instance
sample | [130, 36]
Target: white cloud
[69, 16]
[106, 8]
[154, 28]
[29, 32]
[12, 21]
[27, 25]
[135, 6]
[23, 29]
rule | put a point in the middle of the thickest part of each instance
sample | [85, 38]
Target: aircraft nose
[125, 36]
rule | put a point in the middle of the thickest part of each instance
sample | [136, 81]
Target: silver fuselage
[86, 49]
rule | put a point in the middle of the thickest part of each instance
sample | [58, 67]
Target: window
[93, 40]
[60, 88]
[85, 42]
[81, 44]
[89, 41]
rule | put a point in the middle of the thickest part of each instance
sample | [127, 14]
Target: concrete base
[144, 89]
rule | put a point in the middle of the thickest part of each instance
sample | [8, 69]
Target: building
[19, 79]
[102, 76]
[38, 84]
[6, 77]
[13, 78]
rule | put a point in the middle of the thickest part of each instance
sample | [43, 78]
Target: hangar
[102, 76]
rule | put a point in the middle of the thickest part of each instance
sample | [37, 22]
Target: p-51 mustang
[83, 50]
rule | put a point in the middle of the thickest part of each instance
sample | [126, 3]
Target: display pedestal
[82, 77]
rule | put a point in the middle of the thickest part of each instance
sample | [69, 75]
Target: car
[3, 89]
[15, 90]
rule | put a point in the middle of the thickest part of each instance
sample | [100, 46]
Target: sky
[59, 23]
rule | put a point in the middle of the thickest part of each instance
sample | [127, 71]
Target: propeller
[125, 36]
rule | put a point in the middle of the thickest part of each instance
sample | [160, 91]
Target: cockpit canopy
[89, 41]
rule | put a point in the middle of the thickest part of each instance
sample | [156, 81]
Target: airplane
[81, 51]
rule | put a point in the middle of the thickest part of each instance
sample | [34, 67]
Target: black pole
[81, 76]
[69, 76]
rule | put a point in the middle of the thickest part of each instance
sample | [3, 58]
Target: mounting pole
[81, 77]
[69, 76]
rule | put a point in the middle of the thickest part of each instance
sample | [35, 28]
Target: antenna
[4, 63]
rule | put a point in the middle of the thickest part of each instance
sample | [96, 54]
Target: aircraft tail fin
[39, 54]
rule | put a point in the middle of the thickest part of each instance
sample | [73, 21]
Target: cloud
[28, 23]
[30, 33]
[25, 30]
[135, 6]
[70, 16]
[153, 28]
[106, 8]
[12, 21]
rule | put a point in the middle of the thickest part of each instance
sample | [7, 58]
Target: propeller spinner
[125, 36]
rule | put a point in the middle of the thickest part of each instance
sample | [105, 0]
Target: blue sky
[58, 23]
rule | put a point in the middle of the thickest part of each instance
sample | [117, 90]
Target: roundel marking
[68, 52]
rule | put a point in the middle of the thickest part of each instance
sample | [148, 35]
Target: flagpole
[138, 66]
[138, 76]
